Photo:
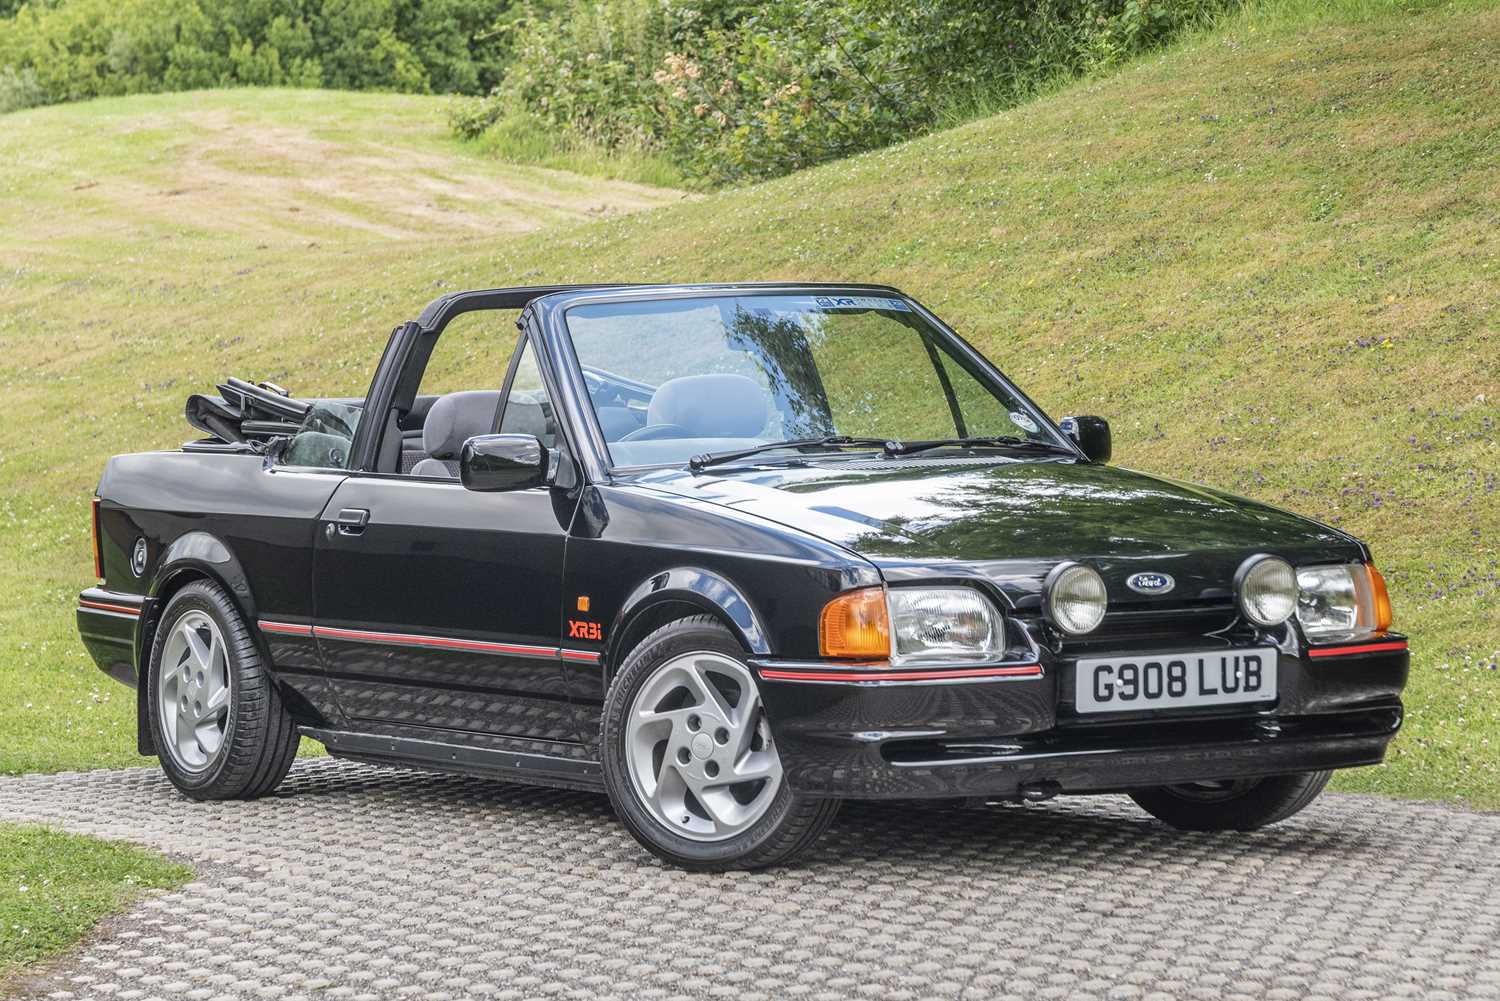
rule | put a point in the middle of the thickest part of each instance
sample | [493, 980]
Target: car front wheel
[220, 728]
[1231, 805]
[689, 760]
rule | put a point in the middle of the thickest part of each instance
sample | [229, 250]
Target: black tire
[1236, 806]
[260, 737]
[791, 823]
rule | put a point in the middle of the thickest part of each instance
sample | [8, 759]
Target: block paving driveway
[355, 881]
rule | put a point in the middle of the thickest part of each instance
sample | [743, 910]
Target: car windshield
[675, 378]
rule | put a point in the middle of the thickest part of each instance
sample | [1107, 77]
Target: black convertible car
[731, 553]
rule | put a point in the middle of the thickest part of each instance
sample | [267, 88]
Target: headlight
[908, 624]
[943, 623]
[1074, 599]
[1342, 599]
[1267, 588]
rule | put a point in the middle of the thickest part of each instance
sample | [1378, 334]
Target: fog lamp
[1074, 599]
[1267, 588]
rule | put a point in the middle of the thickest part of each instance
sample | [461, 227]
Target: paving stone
[355, 882]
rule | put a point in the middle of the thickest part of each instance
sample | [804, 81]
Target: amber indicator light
[1380, 599]
[855, 624]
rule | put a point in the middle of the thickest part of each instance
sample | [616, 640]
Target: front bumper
[1017, 737]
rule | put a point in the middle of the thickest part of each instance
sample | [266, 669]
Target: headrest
[711, 406]
[524, 415]
[456, 418]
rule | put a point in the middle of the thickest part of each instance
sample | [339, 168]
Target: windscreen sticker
[1023, 421]
[861, 302]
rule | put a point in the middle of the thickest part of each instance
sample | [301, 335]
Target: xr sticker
[861, 302]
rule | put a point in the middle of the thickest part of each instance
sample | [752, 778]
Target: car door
[438, 607]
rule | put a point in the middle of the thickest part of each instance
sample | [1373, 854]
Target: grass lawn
[1270, 256]
[55, 886]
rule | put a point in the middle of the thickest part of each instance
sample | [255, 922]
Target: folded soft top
[246, 412]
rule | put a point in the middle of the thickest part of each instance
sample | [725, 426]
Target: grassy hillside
[1270, 257]
[276, 167]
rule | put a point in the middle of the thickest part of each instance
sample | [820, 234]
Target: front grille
[1186, 619]
[1137, 625]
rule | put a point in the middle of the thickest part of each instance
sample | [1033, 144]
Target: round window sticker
[1024, 421]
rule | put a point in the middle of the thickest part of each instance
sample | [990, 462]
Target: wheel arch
[679, 593]
[192, 557]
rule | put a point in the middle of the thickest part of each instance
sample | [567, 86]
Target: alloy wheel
[193, 692]
[698, 748]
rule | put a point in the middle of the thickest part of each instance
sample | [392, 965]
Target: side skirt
[508, 766]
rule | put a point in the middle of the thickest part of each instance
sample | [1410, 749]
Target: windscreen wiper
[989, 441]
[828, 441]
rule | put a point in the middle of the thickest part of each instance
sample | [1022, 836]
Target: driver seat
[721, 405]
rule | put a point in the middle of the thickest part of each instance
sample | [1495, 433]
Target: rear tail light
[98, 547]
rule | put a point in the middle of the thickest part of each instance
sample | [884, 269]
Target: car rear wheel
[689, 761]
[1231, 805]
[220, 728]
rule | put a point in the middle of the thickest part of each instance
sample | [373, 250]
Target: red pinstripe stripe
[887, 674]
[436, 642]
[1340, 651]
[105, 607]
[286, 628]
[430, 642]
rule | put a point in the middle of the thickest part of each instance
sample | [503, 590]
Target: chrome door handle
[352, 520]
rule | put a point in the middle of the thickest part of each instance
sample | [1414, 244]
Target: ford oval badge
[1151, 583]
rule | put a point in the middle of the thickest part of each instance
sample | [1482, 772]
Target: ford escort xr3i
[731, 554]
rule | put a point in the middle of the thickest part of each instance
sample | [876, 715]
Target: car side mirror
[502, 462]
[1090, 434]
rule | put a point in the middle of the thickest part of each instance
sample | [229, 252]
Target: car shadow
[1060, 834]
[1068, 831]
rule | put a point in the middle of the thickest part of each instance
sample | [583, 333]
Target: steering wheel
[656, 432]
[594, 383]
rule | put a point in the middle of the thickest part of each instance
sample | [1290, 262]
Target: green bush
[587, 68]
[807, 81]
[735, 92]
[76, 49]
[19, 89]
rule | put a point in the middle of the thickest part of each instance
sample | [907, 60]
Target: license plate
[1175, 680]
